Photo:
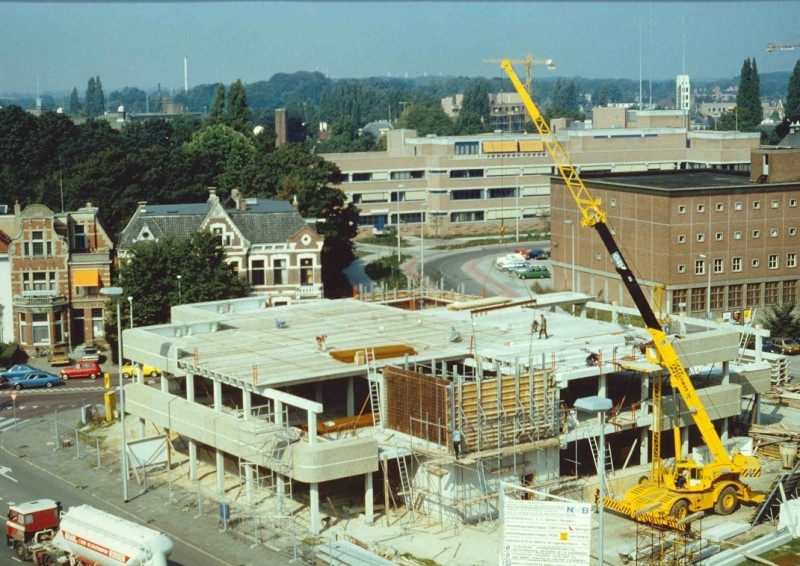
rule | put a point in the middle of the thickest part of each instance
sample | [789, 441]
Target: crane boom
[593, 216]
[782, 46]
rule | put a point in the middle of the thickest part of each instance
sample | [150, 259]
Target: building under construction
[361, 400]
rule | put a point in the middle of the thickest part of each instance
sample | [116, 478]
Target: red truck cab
[26, 520]
[83, 368]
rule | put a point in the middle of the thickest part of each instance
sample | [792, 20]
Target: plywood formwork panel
[416, 403]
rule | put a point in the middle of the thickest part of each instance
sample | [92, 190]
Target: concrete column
[684, 441]
[757, 408]
[278, 412]
[139, 373]
[220, 461]
[724, 429]
[192, 442]
[190, 388]
[218, 396]
[313, 493]
[248, 478]
[601, 385]
[312, 428]
[247, 404]
[164, 383]
[644, 446]
[351, 404]
[644, 393]
[318, 392]
[369, 513]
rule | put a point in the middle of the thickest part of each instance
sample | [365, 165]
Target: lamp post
[598, 405]
[116, 292]
[708, 285]
[130, 302]
[572, 225]
[398, 223]
[516, 215]
[422, 255]
[179, 277]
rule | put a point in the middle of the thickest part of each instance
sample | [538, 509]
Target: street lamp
[130, 302]
[598, 405]
[708, 286]
[179, 277]
[516, 214]
[117, 293]
[422, 255]
[572, 225]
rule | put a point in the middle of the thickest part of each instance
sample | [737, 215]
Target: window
[682, 239]
[793, 231]
[699, 300]
[790, 292]
[718, 236]
[470, 216]
[771, 292]
[279, 272]
[80, 240]
[356, 198]
[717, 298]
[39, 282]
[734, 296]
[613, 203]
[719, 265]
[737, 206]
[466, 194]
[37, 241]
[720, 207]
[756, 234]
[41, 328]
[405, 175]
[700, 267]
[701, 208]
[701, 237]
[773, 261]
[774, 204]
[756, 204]
[361, 177]
[737, 235]
[467, 148]
[793, 202]
[221, 233]
[682, 209]
[258, 274]
[681, 268]
[466, 173]
[679, 298]
[791, 260]
[306, 271]
[755, 262]
[754, 294]
[501, 193]
[736, 264]
[98, 324]
[773, 233]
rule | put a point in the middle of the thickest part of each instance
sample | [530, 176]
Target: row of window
[737, 235]
[737, 263]
[720, 207]
[455, 195]
[736, 296]
[258, 272]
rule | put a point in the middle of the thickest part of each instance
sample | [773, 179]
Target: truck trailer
[82, 536]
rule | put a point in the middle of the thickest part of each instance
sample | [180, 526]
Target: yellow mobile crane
[716, 485]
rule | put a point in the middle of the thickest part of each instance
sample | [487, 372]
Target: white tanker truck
[83, 535]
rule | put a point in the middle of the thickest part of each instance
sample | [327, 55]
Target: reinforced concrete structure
[325, 398]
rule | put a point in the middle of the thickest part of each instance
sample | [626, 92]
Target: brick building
[267, 241]
[58, 264]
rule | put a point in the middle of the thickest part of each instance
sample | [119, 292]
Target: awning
[536, 146]
[87, 278]
[500, 147]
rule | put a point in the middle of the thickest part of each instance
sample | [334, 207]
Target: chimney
[212, 196]
[281, 127]
[142, 206]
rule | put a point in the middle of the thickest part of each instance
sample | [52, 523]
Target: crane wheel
[680, 509]
[727, 501]
[21, 551]
[643, 480]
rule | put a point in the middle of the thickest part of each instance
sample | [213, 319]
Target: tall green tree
[793, 92]
[782, 320]
[426, 119]
[748, 97]
[74, 103]
[228, 154]
[217, 113]
[238, 115]
[89, 98]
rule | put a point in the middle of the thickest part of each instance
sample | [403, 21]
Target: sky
[60, 45]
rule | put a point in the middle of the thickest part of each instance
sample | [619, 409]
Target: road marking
[4, 472]
[6, 424]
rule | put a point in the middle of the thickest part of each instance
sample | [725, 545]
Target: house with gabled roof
[267, 241]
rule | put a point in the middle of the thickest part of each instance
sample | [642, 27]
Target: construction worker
[534, 326]
[457, 438]
[543, 328]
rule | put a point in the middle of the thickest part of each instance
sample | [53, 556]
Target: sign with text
[546, 533]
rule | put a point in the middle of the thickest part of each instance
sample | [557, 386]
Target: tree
[426, 120]
[150, 276]
[748, 98]
[238, 115]
[782, 320]
[228, 154]
[217, 113]
[90, 98]
[74, 103]
[793, 92]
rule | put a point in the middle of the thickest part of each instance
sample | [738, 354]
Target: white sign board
[546, 533]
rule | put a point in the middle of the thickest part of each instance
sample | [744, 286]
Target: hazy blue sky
[142, 44]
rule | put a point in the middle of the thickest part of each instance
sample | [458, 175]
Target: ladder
[608, 464]
[405, 484]
[374, 379]
[748, 327]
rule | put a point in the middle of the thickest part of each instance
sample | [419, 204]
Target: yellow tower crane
[783, 45]
[529, 60]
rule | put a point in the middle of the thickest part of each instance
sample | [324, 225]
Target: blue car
[35, 379]
[17, 371]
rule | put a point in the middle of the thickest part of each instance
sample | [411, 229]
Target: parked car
[539, 254]
[128, 370]
[536, 272]
[83, 368]
[786, 346]
[35, 379]
[17, 371]
[503, 262]
[90, 354]
[59, 357]
[523, 252]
